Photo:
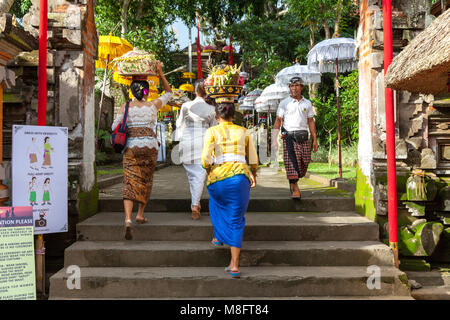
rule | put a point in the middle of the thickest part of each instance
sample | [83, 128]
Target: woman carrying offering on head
[141, 151]
[230, 178]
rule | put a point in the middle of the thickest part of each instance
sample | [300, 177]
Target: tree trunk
[140, 12]
[311, 36]
[327, 30]
[124, 18]
[338, 19]
[5, 5]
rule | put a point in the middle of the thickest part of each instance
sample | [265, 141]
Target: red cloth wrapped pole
[390, 133]
[42, 68]
[230, 54]
[199, 52]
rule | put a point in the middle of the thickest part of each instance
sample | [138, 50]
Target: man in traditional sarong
[295, 115]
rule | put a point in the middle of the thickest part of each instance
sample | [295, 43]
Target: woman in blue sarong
[227, 147]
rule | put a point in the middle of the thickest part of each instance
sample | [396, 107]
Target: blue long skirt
[228, 202]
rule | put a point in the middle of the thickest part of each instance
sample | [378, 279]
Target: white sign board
[39, 175]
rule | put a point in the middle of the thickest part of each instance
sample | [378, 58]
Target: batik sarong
[302, 154]
[138, 168]
[228, 202]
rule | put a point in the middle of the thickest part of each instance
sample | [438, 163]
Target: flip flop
[232, 274]
[216, 243]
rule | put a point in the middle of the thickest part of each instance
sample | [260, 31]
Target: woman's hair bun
[138, 87]
[225, 110]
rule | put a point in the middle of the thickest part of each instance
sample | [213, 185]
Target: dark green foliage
[20, 8]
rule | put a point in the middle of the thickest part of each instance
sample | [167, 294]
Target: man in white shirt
[295, 115]
[195, 117]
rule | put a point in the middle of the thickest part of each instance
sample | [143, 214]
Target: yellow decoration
[187, 87]
[152, 81]
[109, 48]
[188, 75]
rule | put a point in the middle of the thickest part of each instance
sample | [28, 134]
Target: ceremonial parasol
[109, 47]
[307, 74]
[334, 56]
[187, 87]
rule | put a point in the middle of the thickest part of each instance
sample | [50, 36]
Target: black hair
[225, 110]
[137, 89]
[45, 181]
[199, 87]
[45, 139]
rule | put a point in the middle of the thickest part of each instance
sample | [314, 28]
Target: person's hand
[159, 69]
[315, 146]
[252, 180]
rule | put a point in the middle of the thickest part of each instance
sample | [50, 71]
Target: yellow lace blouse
[228, 150]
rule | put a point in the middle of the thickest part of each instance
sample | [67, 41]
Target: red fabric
[230, 54]
[303, 155]
[199, 53]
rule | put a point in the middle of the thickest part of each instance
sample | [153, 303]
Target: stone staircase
[314, 253]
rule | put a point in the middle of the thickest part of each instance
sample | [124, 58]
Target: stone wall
[72, 50]
[415, 121]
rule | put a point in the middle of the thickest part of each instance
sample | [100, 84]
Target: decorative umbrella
[187, 87]
[109, 47]
[188, 75]
[307, 74]
[334, 55]
[210, 49]
[276, 91]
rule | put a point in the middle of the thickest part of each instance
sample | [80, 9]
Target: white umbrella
[334, 56]
[252, 95]
[328, 54]
[276, 91]
[308, 74]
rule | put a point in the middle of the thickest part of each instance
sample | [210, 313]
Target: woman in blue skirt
[231, 162]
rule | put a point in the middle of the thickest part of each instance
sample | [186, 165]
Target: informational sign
[39, 175]
[17, 275]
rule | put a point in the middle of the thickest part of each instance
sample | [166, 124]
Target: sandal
[295, 194]
[195, 212]
[216, 243]
[141, 221]
[128, 230]
[233, 274]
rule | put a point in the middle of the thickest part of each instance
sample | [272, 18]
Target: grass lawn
[324, 170]
[111, 171]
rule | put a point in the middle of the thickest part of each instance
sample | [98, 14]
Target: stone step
[214, 282]
[294, 226]
[255, 205]
[203, 254]
[432, 293]
[430, 278]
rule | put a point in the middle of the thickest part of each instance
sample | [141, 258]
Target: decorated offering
[224, 83]
[136, 63]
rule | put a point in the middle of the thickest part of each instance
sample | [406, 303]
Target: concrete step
[294, 226]
[203, 254]
[432, 293]
[214, 282]
[266, 204]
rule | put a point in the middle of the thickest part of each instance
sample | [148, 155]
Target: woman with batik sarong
[227, 148]
[47, 148]
[195, 117]
[141, 151]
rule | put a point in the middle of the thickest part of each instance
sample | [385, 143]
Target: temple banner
[39, 175]
[17, 274]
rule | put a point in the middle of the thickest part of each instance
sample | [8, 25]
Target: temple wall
[417, 140]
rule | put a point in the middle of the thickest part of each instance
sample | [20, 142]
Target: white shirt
[295, 113]
[195, 117]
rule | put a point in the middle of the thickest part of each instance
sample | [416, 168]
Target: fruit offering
[224, 75]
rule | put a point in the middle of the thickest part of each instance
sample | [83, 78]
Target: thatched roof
[423, 66]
